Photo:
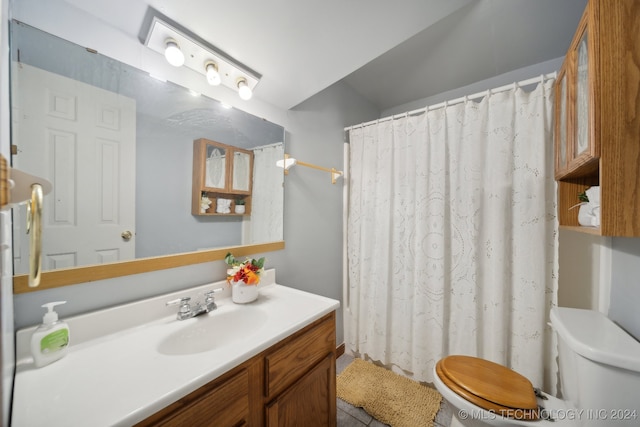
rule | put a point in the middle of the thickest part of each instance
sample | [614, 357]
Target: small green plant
[240, 202]
[583, 197]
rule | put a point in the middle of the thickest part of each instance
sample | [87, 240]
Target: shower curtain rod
[275, 144]
[504, 88]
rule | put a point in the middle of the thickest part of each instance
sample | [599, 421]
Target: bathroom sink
[214, 330]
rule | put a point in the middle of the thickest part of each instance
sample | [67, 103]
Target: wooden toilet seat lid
[489, 385]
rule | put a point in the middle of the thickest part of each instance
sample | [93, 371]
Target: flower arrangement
[248, 271]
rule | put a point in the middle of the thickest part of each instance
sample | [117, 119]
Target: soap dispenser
[50, 340]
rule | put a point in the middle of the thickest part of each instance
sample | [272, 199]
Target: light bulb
[173, 54]
[244, 90]
[213, 77]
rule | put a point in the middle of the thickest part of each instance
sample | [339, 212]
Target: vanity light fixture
[173, 54]
[169, 38]
[289, 162]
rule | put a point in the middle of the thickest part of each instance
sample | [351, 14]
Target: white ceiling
[391, 52]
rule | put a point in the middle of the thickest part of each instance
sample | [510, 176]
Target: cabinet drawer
[225, 405]
[296, 356]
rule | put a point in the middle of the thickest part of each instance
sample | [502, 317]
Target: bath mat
[388, 397]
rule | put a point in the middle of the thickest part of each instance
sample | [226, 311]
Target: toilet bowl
[599, 366]
[485, 395]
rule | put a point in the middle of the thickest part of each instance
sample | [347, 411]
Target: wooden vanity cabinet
[597, 118]
[292, 383]
[300, 376]
[220, 171]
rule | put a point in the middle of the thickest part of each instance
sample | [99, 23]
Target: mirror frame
[76, 275]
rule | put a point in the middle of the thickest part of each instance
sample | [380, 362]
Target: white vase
[241, 293]
[589, 215]
[240, 209]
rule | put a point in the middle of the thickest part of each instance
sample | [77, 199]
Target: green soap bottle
[50, 340]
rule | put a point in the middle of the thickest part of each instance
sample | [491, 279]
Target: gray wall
[491, 83]
[625, 284]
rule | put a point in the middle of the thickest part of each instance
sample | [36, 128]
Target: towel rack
[16, 188]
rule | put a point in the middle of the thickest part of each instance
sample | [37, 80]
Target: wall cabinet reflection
[222, 179]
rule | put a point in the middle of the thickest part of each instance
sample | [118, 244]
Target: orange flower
[251, 278]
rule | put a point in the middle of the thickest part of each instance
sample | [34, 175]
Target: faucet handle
[209, 294]
[185, 309]
[209, 300]
[181, 301]
[216, 290]
[184, 304]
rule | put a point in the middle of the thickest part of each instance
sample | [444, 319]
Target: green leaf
[259, 263]
[229, 259]
[583, 197]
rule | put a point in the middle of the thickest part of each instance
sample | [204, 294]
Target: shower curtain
[267, 199]
[452, 235]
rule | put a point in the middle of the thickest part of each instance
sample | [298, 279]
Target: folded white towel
[593, 193]
[223, 206]
[589, 214]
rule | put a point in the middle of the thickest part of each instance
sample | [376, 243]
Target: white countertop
[120, 377]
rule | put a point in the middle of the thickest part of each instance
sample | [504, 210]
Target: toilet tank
[599, 367]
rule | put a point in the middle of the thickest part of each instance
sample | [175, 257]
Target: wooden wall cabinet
[220, 171]
[293, 383]
[597, 118]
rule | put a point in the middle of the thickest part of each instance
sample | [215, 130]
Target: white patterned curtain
[451, 236]
[267, 198]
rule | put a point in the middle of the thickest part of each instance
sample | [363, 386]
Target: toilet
[599, 366]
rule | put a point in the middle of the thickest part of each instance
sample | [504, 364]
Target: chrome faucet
[186, 311]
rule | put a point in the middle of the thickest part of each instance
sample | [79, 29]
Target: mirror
[118, 144]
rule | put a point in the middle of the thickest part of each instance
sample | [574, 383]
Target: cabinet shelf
[582, 229]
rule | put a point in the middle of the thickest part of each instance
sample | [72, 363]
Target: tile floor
[351, 416]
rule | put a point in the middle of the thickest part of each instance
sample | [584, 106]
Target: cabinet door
[561, 123]
[310, 402]
[581, 141]
[584, 149]
[215, 170]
